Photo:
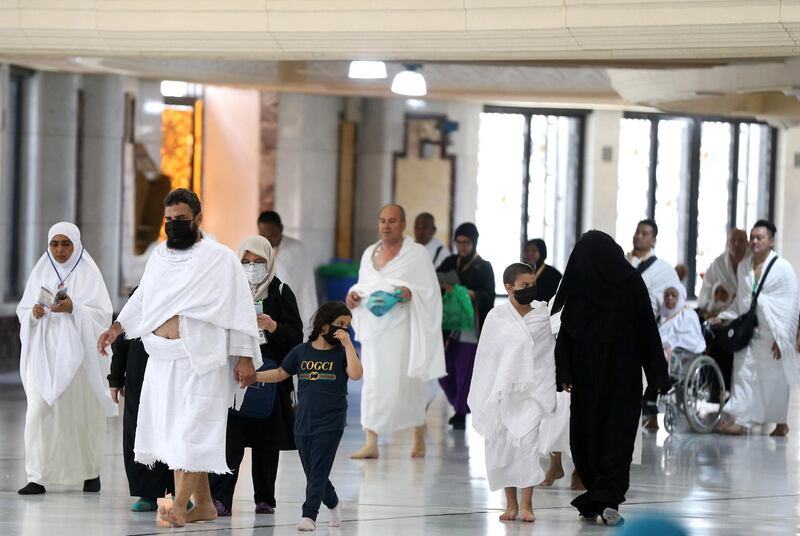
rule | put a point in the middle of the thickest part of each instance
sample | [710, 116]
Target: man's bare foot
[201, 513]
[418, 451]
[576, 484]
[650, 423]
[418, 443]
[781, 430]
[509, 515]
[368, 452]
[553, 474]
[527, 515]
[163, 512]
[176, 518]
[731, 429]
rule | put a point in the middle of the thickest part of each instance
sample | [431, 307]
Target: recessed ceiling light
[367, 70]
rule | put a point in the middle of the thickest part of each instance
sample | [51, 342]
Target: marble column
[306, 171]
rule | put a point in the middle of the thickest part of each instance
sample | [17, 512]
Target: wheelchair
[698, 393]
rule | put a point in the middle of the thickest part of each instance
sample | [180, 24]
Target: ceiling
[727, 57]
[403, 29]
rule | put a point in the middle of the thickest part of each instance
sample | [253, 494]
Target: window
[529, 183]
[707, 177]
[14, 284]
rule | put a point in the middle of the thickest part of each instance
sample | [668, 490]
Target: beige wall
[787, 193]
[230, 164]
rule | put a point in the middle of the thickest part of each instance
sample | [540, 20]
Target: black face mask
[181, 234]
[329, 337]
[525, 296]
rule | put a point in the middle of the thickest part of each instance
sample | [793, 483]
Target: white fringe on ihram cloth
[183, 415]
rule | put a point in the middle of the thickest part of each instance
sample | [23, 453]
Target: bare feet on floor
[418, 443]
[527, 515]
[163, 512]
[650, 423]
[781, 430]
[368, 452]
[576, 483]
[201, 513]
[510, 514]
[730, 429]
[418, 451]
[176, 518]
[553, 474]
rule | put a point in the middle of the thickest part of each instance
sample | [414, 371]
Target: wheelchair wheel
[703, 394]
[670, 418]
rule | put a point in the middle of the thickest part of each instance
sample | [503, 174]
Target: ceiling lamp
[410, 82]
[367, 70]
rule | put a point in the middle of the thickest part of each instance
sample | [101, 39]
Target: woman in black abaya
[608, 335]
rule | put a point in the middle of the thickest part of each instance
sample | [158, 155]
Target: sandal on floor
[145, 504]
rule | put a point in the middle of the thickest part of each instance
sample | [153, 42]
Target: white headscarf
[680, 325]
[57, 345]
[667, 313]
[72, 232]
[716, 306]
[258, 245]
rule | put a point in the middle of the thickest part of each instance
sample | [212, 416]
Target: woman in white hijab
[265, 430]
[679, 326]
[64, 309]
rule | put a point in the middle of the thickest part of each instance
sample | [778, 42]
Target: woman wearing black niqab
[608, 334]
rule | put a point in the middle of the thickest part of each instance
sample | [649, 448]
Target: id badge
[262, 337]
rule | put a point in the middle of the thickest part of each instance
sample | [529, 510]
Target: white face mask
[256, 272]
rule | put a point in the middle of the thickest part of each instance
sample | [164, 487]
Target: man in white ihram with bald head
[397, 316]
[194, 313]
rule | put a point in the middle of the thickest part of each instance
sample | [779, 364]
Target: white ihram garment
[189, 383]
[760, 390]
[403, 349]
[513, 389]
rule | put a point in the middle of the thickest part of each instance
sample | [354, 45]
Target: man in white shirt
[293, 265]
[424, 231]
[658, 275]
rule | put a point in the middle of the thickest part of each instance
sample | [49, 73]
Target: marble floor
[708, 484]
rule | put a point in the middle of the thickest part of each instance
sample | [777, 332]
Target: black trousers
[142, 480]
[240, 433]
[317, 453]
[603, 428]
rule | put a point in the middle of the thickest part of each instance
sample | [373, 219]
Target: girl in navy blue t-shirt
[323, 366]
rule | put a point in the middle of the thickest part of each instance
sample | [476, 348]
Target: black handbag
[259, 398]
[737, 334]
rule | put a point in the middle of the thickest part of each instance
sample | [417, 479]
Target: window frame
[695, 134]
[528, 113]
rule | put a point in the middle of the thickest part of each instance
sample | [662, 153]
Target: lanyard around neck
[58, 274]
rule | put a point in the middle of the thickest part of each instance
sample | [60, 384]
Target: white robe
[403, 349]
[63, 374]
[189, 384]
[295, 269]
[760, 390]
[437, 251]
[720, 271]
[513, 389]
[658, 276]
[679, 327]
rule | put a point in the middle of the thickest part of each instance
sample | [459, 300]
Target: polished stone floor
[709, 484]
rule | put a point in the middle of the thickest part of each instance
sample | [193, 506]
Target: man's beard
[182, 239]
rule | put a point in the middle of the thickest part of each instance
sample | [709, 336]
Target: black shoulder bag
[737, 334]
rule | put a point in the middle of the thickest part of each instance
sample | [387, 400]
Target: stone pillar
[48, 160]
[101, 205]
[306, 172]
[601, 174]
